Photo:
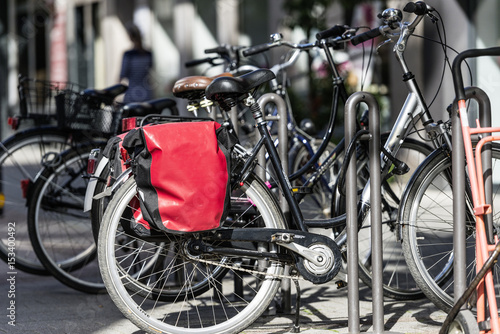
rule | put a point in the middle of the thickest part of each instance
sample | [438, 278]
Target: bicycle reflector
[128, 123]
[2, 202]
[25, 185]
[92, 162]
[13, 122]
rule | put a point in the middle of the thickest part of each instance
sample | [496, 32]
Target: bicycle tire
[59, 230]
[151, 315]
[464, 323]
[428, 235]
[20, 161]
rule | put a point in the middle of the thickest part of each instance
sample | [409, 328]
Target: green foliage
[310, 16]
[306, 14]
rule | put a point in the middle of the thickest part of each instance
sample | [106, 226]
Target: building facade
[83, 40]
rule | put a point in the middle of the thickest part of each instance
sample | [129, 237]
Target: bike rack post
[281, 118]
[375, 215]
[458, 182]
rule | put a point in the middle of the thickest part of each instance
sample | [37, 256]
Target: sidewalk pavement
[45, 306]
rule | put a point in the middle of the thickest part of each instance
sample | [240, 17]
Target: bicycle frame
[413, 108]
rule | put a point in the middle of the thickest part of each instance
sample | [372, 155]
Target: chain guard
[298, 242]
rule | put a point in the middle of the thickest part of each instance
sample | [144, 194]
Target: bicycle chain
[256, 272]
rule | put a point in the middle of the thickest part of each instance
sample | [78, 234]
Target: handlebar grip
[366, 36]
[456, 72]
[198, 62]
[418, 8]
[256, 49]
[335, 31]
[219, 50]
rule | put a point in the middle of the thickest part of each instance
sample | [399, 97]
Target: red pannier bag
[182, 174]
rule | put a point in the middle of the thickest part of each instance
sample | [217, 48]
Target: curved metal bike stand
[458, 168]
[281, 118]
[458, 175]
[375, 215]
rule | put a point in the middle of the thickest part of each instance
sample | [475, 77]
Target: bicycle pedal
[341, 284]
[302, 190]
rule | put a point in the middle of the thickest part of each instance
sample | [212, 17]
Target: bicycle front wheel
[398, 283]
[21, 158]
[317, 204]
[427, 218]
[190, 293]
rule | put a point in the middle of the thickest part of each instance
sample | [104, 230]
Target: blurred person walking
[135, 72]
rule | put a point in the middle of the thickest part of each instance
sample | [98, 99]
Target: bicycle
[487, 246]
[481, 229]
[318, 191]
[23, 154]
[60, 232]
[192, 89]
[254, 244]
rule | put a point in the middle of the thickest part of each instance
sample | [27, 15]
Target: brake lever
[349, 33]
[433, 18]
[387, 41]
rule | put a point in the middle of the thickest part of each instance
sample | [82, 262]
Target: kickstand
[296, 325]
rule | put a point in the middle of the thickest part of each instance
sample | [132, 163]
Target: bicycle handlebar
[456, 72]
[366, 36]
[335, 31]
[221, 50]
[226, 53]
[195, 62]
[256, 49]
[419, 8]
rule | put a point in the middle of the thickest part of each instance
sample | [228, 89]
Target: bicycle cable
[443, 43]
[364, 73]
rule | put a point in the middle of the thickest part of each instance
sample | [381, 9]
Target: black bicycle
[255, 246]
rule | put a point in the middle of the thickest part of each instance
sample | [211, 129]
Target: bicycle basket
[78, 111]
[37, 97]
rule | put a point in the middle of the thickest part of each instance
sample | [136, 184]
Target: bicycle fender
[89, 193]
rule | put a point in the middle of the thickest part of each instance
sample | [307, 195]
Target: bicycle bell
[276, 37]
[391, 17]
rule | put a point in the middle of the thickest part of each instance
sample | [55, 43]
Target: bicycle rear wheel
[219, 294]
[60, 232]
[427, 218]
[21, 158]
